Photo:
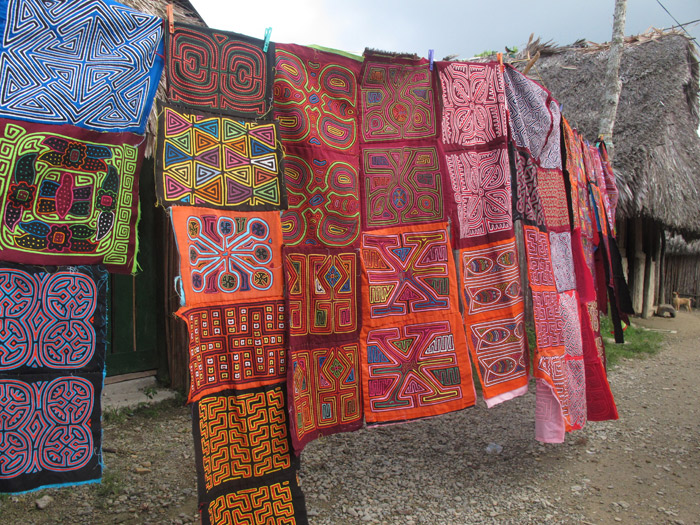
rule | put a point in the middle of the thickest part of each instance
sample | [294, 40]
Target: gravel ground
[640, 469]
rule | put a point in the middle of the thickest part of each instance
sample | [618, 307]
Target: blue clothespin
[431, 52]
[268, 32]
[561, 108]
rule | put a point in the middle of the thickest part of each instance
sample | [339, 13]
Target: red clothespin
[500, 61]
[171, 25]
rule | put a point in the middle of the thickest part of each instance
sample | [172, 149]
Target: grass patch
[111, 485]
[638, 342]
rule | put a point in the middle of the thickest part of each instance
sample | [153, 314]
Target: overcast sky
[465, 27]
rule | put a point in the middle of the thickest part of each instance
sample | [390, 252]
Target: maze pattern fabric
[415, 368]
[91, 63]
[218, 161]
[278, 502]
[52, 320]
[315, 99]
[562, 261]
[52, 354]
[324, 200]
[474, 107]
[481, 186]
[534, 119]
[402, 186]
[322, 293]
[408, 272]
[219, 71]
[50, 430]
[240, 436]
[494, 319]
[235, 346]
[68, 195]
[550, 184]
[397, 99]
[325, 393]
[228, 257]
[527, 205]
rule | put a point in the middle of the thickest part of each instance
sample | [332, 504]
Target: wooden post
[638, 264]
[650, 257]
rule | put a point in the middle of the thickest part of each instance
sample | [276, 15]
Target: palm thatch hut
[657, 147]
[145, 339]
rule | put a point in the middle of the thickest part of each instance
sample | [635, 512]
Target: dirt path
[644, 468]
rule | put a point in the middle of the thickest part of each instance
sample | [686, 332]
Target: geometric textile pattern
[227, 257]
[279, 502]
[240, 435]
[491, 278]
[473, 97]
[322, 292]
[324, 199]
[49, 430]
[315, 98]
[534, 119]
[52, 320]
[494, 312]
[91, 63]
[401, 186]
[481, 185]
[415, 369]
[69, 196]
[324, 390]
[562, 261]
[526, 196]
[576, 379]
[235, 346]
[219, 71]
[408, 271]
[539, 261]
[218, 161]
[397, 99]
[550, 184]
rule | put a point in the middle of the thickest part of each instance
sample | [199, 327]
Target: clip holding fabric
[431, 54]
[268, 33]
[169, 11]
[500, 61]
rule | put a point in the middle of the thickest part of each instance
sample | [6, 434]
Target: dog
[682, 301]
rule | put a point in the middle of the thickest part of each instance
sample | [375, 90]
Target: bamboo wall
[682, 275]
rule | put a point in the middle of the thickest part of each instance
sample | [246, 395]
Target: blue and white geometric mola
[91, 63]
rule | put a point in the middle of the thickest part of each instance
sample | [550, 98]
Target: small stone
[142, 470]
[624, 504]
[576, 488]
[43, 502]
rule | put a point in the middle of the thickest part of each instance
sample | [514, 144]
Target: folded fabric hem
[506, 396]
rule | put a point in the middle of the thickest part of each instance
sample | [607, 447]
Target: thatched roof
[657, 148]
[184, 12]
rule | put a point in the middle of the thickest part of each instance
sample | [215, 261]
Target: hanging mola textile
[52, 357]
[415, 361]
[474, 132]
[90, 63]
[316, 102]
[220, 168]
[68, 195]
[541, 203]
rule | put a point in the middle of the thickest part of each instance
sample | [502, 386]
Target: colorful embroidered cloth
[245, 469]
[494, 318]
[236, 346]
[315, 99]
[218, 161]
[324, 390]
[408, 271]
[316, 102]
[219, 71]
[228, 257]
[322, 294]
[473, 104]
[415, 366]
[91, 63]
[403, 186]
[324, 199]
[68, 195]
[397, 100]
[52, 354]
